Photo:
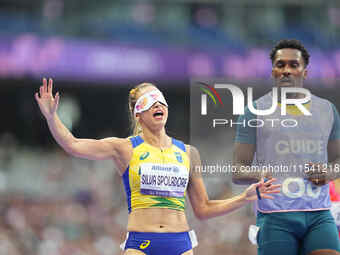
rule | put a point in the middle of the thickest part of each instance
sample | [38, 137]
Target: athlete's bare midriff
[157, 220]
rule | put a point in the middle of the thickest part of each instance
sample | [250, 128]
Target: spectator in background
[334, 188]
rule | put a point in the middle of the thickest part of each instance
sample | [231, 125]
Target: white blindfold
[145, 102]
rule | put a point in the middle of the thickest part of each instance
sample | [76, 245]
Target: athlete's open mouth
[158, 113]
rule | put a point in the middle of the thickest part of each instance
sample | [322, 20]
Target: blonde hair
[134, 125]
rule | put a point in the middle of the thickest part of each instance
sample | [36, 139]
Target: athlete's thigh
[290, 247]
[323, 234]
[190, 252]
[276, 236]
[133, 252]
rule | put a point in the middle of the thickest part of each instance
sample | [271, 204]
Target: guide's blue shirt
[247, 134]
[291, 148]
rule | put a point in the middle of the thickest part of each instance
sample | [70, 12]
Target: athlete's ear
[305, 73]
[272, 71]
[272, 76]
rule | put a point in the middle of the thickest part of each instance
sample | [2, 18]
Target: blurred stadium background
[51, 203]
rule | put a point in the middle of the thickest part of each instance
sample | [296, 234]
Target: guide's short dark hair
[290, 44]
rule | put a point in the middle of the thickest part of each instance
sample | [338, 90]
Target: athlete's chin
[160, 120]
[159, 124]
[286, 85]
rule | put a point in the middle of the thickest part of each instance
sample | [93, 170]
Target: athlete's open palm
[264, 188]
[47, 103]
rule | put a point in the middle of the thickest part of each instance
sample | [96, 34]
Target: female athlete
[157, 171]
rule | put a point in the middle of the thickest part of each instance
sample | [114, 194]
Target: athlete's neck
[292, 95]
[157, 139]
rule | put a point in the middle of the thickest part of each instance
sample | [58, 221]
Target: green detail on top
[144, 155]
[166, 202]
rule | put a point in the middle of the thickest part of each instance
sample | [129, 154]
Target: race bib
[166, 180]
[335, 210]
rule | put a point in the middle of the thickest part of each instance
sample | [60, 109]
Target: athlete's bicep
[333, 147]
[196, 189]
[108, 148]
[245, 140]
[243, 154]
[244, 132]
[195, 159]
[197, 195]
[244, 146]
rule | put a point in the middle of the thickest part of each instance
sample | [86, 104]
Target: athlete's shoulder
[266, 97]
[190, 148]
[324, 105]
[193, 154]
[135, 140]
[178, 143]
[116, 141]
[315, 98]
[263, 102]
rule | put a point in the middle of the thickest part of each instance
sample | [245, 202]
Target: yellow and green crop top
[156, 178]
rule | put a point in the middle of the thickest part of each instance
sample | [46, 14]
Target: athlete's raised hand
[47, 103]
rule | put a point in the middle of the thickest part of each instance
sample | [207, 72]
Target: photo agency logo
[272, 111]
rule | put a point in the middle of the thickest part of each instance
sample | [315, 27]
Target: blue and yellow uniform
[157, 178]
